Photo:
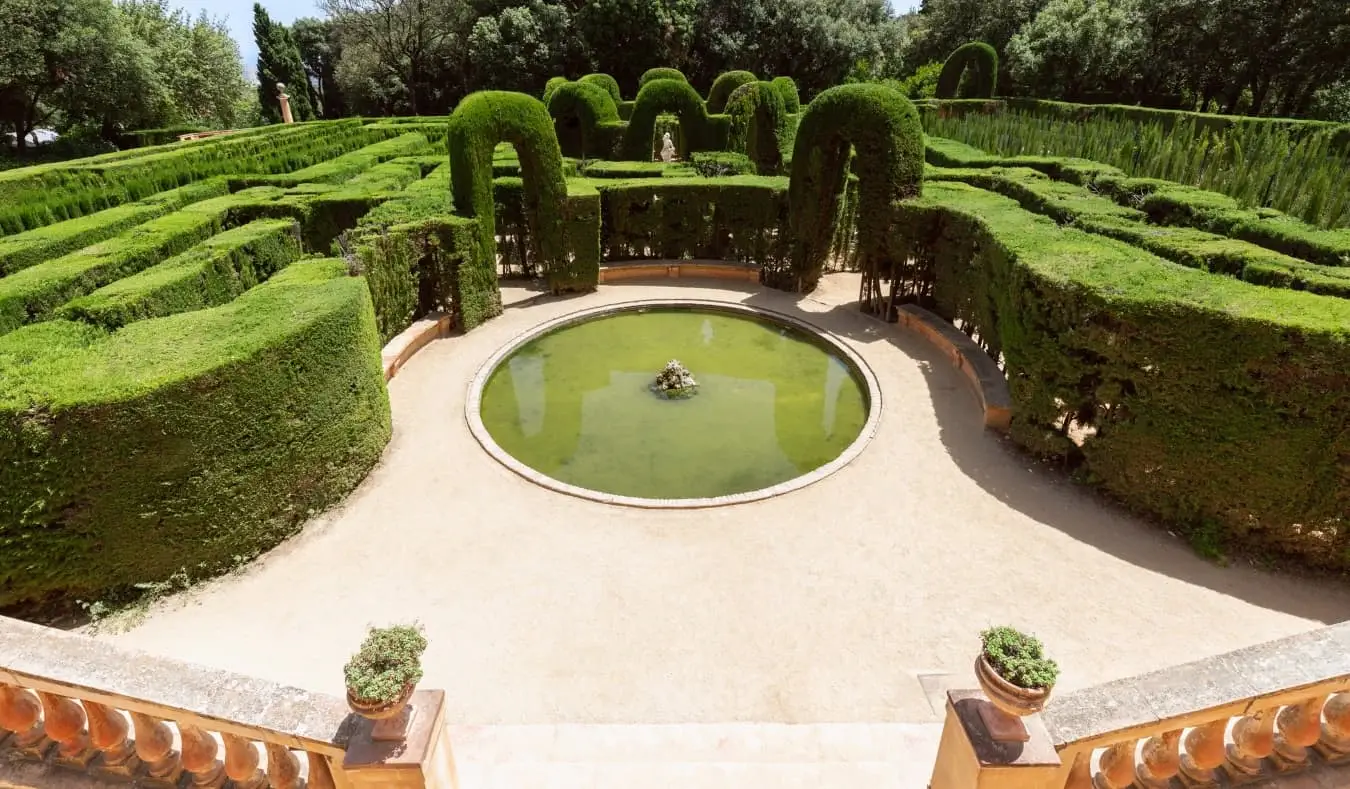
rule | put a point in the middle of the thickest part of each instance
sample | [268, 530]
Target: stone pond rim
[862, 373]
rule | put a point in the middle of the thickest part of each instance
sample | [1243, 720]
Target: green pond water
[576, 404]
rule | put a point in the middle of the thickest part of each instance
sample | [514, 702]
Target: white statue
[667, 148]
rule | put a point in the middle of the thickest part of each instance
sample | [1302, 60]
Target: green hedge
[346, 166]
[699, 130]
[214, 272]
[722, 88]
[660, 73]
[32, 197]
[186, 442]
[739, 218]
[34, 246]
[759, 125]
[481, 121]
[883, 127]
[787, 88]
[144, 137]
[982, 60]
[1077, 205]
[553, 84]
[1213, 404]
[585, 120]
[606, 83]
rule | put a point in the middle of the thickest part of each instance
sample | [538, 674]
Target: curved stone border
[399, 350]
[473, 405]
[676, 269]
[981, 371]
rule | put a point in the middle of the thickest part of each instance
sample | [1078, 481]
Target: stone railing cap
[72, 664]
[1242, 677]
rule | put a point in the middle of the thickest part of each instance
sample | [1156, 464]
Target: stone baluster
[199, 757]
[283, 769]
[1080, 775]
[108, 732]
[320, 774]
[154, 746]
[1115, 770]
[241, 762]
[1253, 741]
[21, 713]
[1300, 726]
[64, 721]
[1335, 743]
[1160, 759]
[1204, 753]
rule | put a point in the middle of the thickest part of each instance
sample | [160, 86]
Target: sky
[238, 16]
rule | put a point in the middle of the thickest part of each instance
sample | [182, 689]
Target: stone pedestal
[970, 756]
[422, 760]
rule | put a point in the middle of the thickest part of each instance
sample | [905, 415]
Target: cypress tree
[279, 61]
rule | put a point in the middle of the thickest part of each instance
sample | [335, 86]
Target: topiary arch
[787, 87]
[724, 86]
[758, 125]
[700, 132]
[585, 119]
[553, 84]
[883, 127]
[660, 73]
[976, 55]
[481, 121]
[606, 83]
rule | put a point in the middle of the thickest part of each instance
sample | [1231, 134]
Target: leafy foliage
[387, 664]
[279, 64]
[1019, 658]
[723, 87]
[759, 125]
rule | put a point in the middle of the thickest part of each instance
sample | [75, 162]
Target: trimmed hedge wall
[883, 127]
[604, 82]
[724, 86]
[34, 246]
[144, 137]
[481, 121]
[759, 125]
[1124, 366]
[214, 272]
[699, 130]
[184, 442]
[585, 120]
[31, 197]
[787, 88]
[660, 73]
[982, 60]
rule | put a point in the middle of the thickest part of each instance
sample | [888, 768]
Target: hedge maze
[190, 333]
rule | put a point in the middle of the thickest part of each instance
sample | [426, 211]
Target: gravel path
[827, 604]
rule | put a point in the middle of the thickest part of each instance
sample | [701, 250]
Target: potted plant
[382, 674]
[1014, 672]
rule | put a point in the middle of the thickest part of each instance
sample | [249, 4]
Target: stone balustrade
[78, 711]
[1254, 716]
[1246, 716]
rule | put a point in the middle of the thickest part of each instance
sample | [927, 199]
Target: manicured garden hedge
[722, 88]
[981, 60]
[759, 125]
[1213, 404]
[883, 127]
[660, 73]
[787, 88]
[606, 83]
[189, 442]
[699, 130]
[585, 120]
[144, 137]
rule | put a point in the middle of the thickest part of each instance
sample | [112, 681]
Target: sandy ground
[827, 604]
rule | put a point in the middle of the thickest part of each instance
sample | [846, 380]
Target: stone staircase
[696, 756]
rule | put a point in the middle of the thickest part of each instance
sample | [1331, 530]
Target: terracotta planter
[1009, 698]
[379, 710]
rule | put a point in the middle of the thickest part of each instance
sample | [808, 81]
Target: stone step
[695, 756]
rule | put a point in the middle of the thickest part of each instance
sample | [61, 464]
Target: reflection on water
[576, 405]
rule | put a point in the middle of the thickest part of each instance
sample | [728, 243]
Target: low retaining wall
[676, 269]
